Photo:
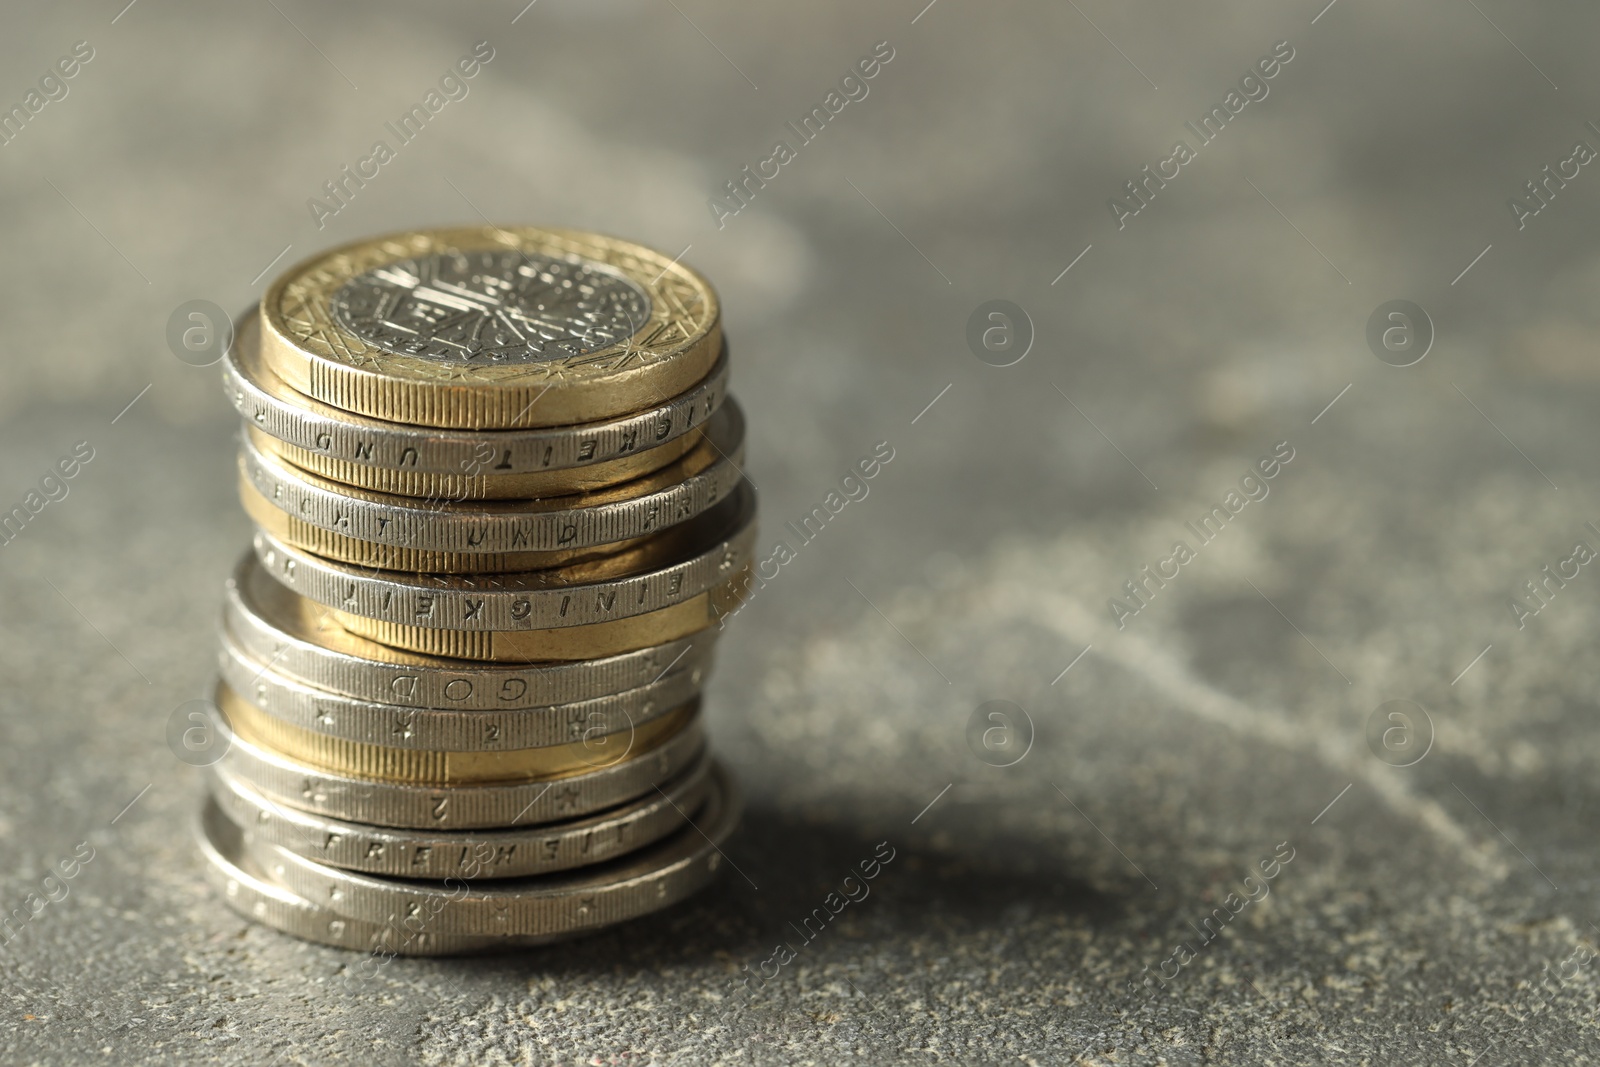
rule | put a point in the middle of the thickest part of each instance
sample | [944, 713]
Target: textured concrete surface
[1437, 913]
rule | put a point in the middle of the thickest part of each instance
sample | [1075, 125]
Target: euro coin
[486, 730]
[267, 403]
[447, 767]
[490, 328]
[671, 567]
[690, 485]
[561, 643]
[302, 641]
[641, 882]
[249, 891]
[469, 807]
[514, 853]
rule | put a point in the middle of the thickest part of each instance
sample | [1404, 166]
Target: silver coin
[272, 406]
[491, 306]
[475, 807]
[674, 566]
[675, 493]
[487, 730]
[300, 640]
[234, 873]
[636, 884]
[483, 854]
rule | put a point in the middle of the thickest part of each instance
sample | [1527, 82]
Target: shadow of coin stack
[500, 517]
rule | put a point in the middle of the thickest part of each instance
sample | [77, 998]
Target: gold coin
[490, 328]
[566, 643]
[435, 486]
[295, 531]
[356, 759]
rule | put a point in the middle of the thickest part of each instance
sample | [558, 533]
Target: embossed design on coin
[491, 306]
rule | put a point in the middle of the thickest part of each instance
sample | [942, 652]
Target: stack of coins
[500, 517]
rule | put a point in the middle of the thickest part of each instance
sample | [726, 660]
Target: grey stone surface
[1422, 916]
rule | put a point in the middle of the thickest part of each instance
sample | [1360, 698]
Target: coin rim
[466, 807]
[618, 890]
[368, 722]
[447, 768]
[565, 643]
[315, 836]
[254, 896]
[293, 651]
[572, 521]
[429, 485]
[648, 577]
[297, 419]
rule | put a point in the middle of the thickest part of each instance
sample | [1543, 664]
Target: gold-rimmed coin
[486, 327]
[356, 759]
[566, 643]
[427, 484]
[688, 486]
[464, 807]
[674, 565]
[295, 531]
[400, 726]
[301, 639]
[267, 403]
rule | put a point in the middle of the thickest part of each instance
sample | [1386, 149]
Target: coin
[428, 485]
[677, 492]
[560, 643]
[398, 726]
[484, 854]
[267, 403]
[292, 530]
[301, 640]
[296, 785]
[239, 879]
[447, 767]
[485, 327]
[681, 562]
[641, 882]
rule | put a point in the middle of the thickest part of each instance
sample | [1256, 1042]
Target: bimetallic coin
[296, 785]
[268, 404]
[247, 890]
[398, 726]
[491, 328]
[676, 493]
[301, 640]
[355, 759]
[292, 530]
[644, 881]
[430, 486]
[671, 567]
[560, 643]
[482, 854]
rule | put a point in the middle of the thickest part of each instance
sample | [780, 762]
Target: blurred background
[1439, 903]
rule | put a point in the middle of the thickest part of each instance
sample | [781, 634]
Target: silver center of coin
[490, 306]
